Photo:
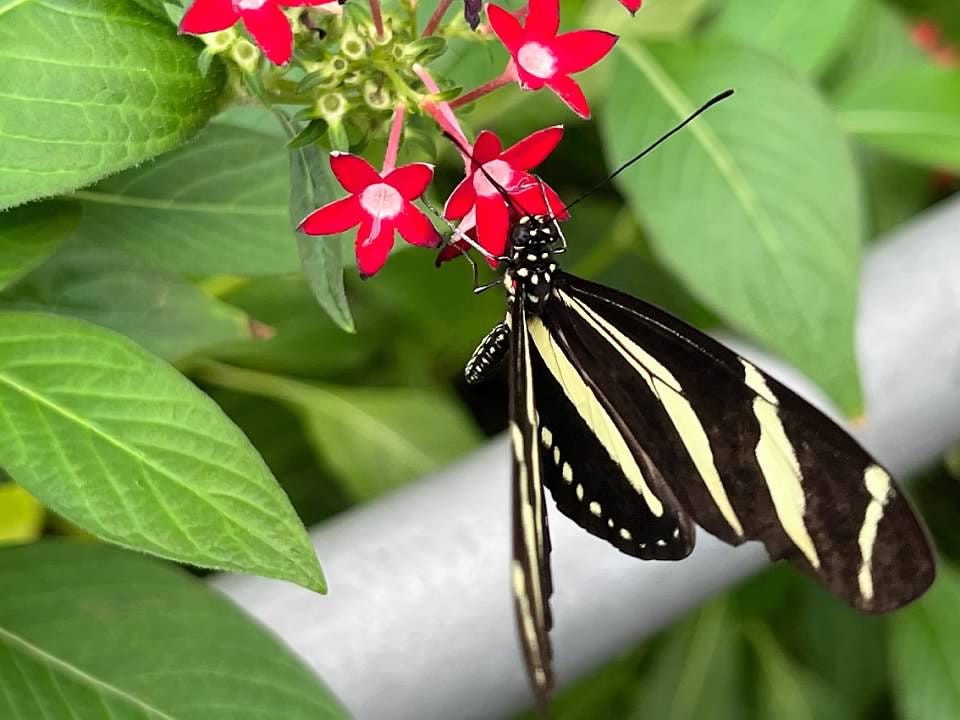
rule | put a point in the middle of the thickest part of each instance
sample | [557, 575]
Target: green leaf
[806, 36]
[119, 443]
[913, 114]
[924, 639]
[756, 206]
[656, 19]
[312, 185]
[698, 672]
[92, 632]
[895, 190]
[29, 235]
[166, 314]
[21, 516]
[217, 205]
[375, 439]
[90, 87]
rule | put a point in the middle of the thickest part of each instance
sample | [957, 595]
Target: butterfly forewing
[746, 457]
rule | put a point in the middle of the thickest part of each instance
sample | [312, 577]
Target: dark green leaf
[166, 314]
[90, 87]
[756, 206]
[29, 235]
[218, 205]
[93, 632]
[896, 191]
[913, 113]
[122, 445]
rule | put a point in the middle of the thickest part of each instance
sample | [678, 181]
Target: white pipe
[418, 624]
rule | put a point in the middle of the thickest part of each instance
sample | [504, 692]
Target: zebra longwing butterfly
[643, 428]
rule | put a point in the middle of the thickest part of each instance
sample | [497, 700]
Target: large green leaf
[217, 205]
[375, 439]
[805, 35]
[119, 443]
[912, 113]
[30, 234]
[21, 516]
[89, 632]
[698, 672]
[924, 641]
[756, 206]
[90, 87]
[166, 314]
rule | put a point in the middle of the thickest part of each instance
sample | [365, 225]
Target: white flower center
[537, 60]
[381, 201]
[249, 4]
[501, 173]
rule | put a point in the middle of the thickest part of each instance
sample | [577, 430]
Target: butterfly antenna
[460, 235]
[506, 195]
[702, 109]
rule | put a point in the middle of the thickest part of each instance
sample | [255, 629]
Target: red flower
[380, 204]
[632, 5]
[263, 19]
[542, 57]
[479, 202]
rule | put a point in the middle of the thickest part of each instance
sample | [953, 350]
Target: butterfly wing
[746, 457]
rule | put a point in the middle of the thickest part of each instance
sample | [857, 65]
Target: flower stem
[437, 16]
[441, 112]
[508, 76]
[393, 142]
[377, 17]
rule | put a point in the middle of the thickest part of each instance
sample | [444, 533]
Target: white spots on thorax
[879, 485]
[523, 272]
[661, 543]
[579, 491]
[610, 522]
[556, 455]
[546, 437]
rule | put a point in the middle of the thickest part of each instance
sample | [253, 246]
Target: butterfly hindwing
[746, 457]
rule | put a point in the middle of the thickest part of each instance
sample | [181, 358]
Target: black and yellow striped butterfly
[642, 427]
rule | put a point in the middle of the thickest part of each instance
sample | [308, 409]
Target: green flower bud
[219, 42]
[338, 65]
[352, 45]
[246, 55]
[332, 107]
[376, 96]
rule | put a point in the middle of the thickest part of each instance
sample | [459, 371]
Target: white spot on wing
[567, 472]
[756, 382]
[546, 436]
[595, 508]
[878, 484]
[625, 534]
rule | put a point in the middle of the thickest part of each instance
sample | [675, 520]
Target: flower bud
[376, 95]
[332, 107]
[219, 42]
[352, 45]
[246, 55]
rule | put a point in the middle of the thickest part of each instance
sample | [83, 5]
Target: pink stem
[377, 17]
[393, 143]
[508, 76]
[437, 16]
[441, 112]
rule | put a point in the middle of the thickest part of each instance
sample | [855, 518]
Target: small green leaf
[166, 314]
[376, 439]
[923, 652]
[756, 206]
[122, 445]
[312, 185]
[21, 516]
[93, 632]
[217, 205]
[30, 234]
[913, 114]
[90, 87]
[806, 35]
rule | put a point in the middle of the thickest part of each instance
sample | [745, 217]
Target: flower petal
[506, 27]
[541, 199]
[353, 172]
[416, 228]
[568, 91]
[487, 147]
[533, 149]
[461, 200]
[271, 29]
[334, 217]
[206, 16]
[632, 5]
[576, 51]
[411, 180]
[374, 242]
[543, 19]
[451, 251]
[493, 223]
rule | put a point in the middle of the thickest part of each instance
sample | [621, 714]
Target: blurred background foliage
[873, 86]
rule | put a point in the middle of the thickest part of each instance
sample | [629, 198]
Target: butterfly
[643, 428]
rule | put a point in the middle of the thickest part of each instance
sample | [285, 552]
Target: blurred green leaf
[895, 190]
[94, 632]
[166, 314]
[90, 87]
[30, 234]
[806, 35]
[375, 439]
[657, 19]
[119, 443]
[913, 113]
[21, 516]
[942, 13]
[762, 223]
[699, 671]
[924, 639]
[785, 689]
[217, 205]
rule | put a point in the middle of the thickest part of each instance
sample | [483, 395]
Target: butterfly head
[533, 242]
